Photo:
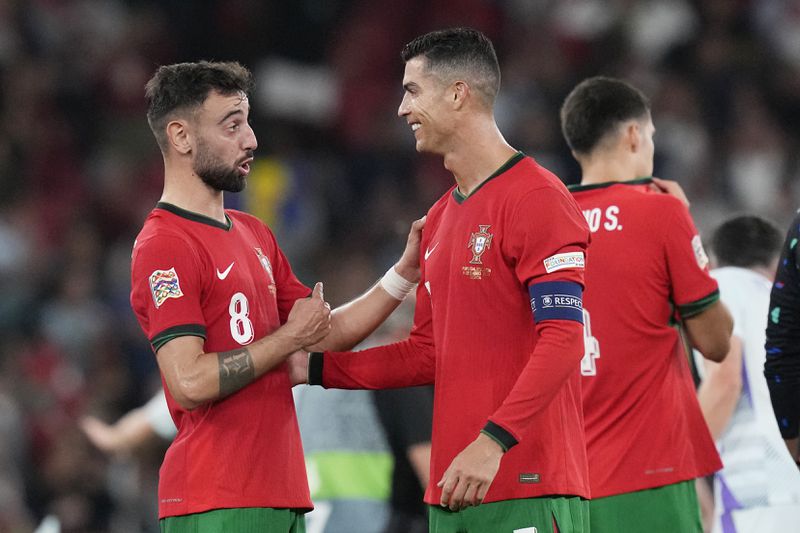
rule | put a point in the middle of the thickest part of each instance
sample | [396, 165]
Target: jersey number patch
[241, 326]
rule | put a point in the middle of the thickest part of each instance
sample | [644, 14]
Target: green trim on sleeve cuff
[184, 330]
[315, 363]
[698, 306]
[498, 434]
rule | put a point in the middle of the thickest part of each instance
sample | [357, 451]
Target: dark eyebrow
[229, 114]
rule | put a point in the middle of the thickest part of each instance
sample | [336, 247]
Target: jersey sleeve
[692, 288]
[550, 242]
[166, 289]
[782, 367]
[548, 238]
[402, 364]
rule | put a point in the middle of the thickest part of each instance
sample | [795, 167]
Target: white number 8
[241, 327]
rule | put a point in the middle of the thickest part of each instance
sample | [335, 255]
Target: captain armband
[556, 300]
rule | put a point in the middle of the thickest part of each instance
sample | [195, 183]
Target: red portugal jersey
[230, 284]
[644, 427]
[484, 258]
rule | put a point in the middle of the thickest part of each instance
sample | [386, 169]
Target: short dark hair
[183, 87]
[746, 241]
[459, 52]
[595, 107]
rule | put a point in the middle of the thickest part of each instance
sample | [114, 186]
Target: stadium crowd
[335, 175]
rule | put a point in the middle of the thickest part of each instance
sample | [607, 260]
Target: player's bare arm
[710, 331]
[195, 377]
[356, 320]
[721, 388]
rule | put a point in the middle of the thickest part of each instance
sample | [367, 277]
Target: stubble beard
[217, 174]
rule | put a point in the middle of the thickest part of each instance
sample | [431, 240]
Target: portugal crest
[479, 242]
[264, 260]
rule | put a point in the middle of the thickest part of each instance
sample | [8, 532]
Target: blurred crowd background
[336, 176]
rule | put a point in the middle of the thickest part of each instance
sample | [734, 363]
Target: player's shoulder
[635, 192]
[533, 177]
[158, 233]
[252, 221]
[739, 279]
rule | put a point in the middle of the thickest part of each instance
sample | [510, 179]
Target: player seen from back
[647, 275]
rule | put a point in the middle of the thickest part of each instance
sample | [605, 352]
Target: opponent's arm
[782, 367]
[126, 434]
[720, 390]
[195, 377]
[710, 331]
[354, 321]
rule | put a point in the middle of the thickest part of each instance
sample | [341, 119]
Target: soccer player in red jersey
[648, 274]
[508, 237]
[223, 310]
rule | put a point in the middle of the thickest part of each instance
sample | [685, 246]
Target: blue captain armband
[556, 300]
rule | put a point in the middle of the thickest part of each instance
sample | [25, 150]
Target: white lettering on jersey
[596, 218]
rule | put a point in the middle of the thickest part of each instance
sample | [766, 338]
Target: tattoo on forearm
[235, 370]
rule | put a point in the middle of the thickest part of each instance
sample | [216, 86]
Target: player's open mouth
[244, 168]
[415, 126]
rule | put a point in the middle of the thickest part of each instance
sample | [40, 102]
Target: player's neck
[609, 170]
[477, 157]
[184, 189]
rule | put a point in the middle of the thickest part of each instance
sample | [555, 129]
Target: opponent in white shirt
[759, 486]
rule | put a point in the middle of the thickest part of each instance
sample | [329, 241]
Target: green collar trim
[513, 160]
[196, 217]
[638, 181]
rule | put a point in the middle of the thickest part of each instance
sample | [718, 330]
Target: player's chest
[464, 247]
[240, 286]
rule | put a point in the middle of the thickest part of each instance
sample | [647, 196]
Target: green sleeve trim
[698, 306]
[498, 434]
[184, 330]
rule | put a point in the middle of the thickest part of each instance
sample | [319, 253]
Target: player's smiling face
[424, 106]
[224, 145]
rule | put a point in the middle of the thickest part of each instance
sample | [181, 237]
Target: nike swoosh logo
[429, 251]
[224, 274]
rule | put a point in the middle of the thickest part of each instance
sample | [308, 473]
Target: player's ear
[178, 136]
[632, 136]
[459, 92]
